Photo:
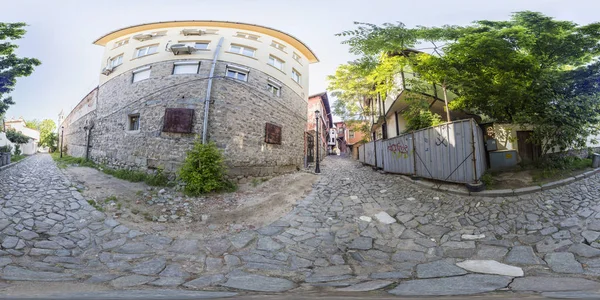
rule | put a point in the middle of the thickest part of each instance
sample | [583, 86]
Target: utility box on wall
[491, 145]
[503, 159]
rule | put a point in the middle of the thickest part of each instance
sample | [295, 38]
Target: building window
[236, 73]
[278, 45]
[296, 57]
[243, 50]
[276, 62]
[186, 67]
[351, 134]
[249, 36]
[121, 43]
[273, 89]
[143, 51]
[134, 122]
[296, 76]
[141, 74]
[116, 61]
[201, 45]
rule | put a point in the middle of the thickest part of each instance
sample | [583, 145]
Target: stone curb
[16, 163]
[505, 192]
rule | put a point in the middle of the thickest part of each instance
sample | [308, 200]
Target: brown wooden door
[527, 150]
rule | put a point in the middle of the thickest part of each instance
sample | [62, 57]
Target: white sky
[61, 32]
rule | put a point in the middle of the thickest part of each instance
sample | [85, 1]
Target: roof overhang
[296, 43]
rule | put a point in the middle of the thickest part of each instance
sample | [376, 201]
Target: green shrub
[204, 170]
[157, 179]
[17, 150]
[488, 179]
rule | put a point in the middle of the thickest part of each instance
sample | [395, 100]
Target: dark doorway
[527, 150]
[310, 148]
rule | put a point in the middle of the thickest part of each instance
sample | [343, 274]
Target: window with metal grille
[178, 120]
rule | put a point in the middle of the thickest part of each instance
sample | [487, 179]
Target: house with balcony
[387, 110]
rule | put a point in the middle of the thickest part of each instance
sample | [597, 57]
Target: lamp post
[317, 141]
[62, 135]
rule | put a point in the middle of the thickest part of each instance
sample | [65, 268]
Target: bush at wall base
[204, 170]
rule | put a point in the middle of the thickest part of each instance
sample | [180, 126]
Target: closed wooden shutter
[178, 120]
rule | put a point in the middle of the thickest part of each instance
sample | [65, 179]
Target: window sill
[279, 49]
[251, 57]
[132, 131]
[231, 78]
[274, 67]
[297, 83]
[245, 38]
[144, 56]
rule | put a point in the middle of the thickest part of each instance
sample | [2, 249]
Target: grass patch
[16, 158]
[157, 179]
[548, 169]
[95, 205]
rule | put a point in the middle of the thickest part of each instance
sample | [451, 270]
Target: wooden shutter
[178, 120]
[272, 134]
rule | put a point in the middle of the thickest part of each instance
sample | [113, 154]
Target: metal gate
[310, 148]
[451, 152]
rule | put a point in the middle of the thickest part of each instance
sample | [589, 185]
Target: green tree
[33, 124]
[47, 129]
[52, 141]
[530, 70]
[16, 137]
[11, 66]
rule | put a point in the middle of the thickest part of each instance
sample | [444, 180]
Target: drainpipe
[208, 89]
[87, 142]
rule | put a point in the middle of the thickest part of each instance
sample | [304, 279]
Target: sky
[61, 32]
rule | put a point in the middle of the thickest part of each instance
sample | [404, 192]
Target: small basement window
[134, 122]
[186, 67]
[141, 74]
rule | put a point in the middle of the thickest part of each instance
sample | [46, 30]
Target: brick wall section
[237, 117]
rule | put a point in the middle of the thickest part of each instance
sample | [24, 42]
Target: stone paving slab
[48, 230]
[553, 284]
[133, 294]
[461, 285]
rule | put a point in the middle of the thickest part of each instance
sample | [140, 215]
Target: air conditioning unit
[192, 32]
[143, 37]
[107, 70]
[182, 49]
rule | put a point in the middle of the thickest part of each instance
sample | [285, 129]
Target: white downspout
[208, 89]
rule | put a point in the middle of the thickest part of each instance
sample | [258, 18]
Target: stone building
[156, 79]
[318, 102]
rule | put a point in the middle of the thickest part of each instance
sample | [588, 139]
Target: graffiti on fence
[441, 140]
[398, 150]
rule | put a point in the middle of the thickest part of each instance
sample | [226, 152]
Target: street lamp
[317, 140]
[62, 129]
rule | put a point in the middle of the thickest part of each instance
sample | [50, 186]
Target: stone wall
[238, 113]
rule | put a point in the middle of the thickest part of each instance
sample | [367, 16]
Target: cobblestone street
[358, 230]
